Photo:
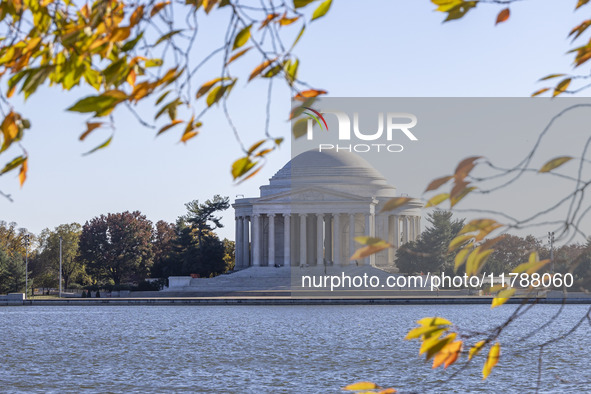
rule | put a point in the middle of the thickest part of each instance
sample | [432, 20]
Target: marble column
[328, 238]
[396, 232]
[319, 239]
[351, 236]
[271, 240]
[337, 238]
[405, 238]
[418, 225]
[367, 231]
[256, 240]
[238, 248]
[245, 244]
[303, 234]
[286, 241]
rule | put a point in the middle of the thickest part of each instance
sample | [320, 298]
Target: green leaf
[322, 9]
[291, 69]
[167, 36]
[94, 104]
[298, 37]
[129, 45]
[301, 3]
[242, 37]
[13, 164]
[153, 63]
[101, 146]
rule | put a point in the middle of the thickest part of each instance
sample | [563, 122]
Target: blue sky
[360, 49]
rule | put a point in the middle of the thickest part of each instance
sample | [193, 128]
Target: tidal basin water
[279, 349]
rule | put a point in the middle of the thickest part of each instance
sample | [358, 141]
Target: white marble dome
[342, 171]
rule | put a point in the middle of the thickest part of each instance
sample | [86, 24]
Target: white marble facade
[305, 214]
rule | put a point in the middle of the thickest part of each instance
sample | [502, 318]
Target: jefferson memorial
[313, 208]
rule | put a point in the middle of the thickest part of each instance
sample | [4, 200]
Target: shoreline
[289, 300]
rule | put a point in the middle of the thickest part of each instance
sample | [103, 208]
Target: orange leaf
[503, 16]
[561, 87]
[159, 7]
[188, 135]
[168, 126]
[259, 69]
[309, 94]
[538, 92]
[22, 176]
[89, 128]
[448, 355]
[465, 166]
[136, 16]
[238, 54]
[437, 183]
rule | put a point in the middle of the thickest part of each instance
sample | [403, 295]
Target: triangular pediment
[311, 194]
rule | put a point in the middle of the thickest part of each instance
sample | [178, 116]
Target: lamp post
[60, 267]
[551, 243]
[26, 264]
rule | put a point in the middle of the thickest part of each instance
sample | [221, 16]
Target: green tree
[49, 241]
[429, 253]
[12, 273]
[229, 254]
[163, 247]
[513, 250]
[117, 247]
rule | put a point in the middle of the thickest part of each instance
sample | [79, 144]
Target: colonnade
[285, 239]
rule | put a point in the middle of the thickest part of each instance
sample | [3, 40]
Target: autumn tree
[117, 247]
[135, 52]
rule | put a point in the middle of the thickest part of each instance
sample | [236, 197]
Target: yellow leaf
[395, 203]
[503, 16]
[421, 331]
[242, 37]
[158, 7]
[502, 297]
[436, 346]
[284, 21]
[461, 257]
[321, 10]
[458, 241]
[242, 166]
[369, 250]
[538, 92]
[120, 34]
[361, 386]
[437, 183]
[9, 129]
[477, 224]
[207, 86]
[434, 321]
[474, 350]
[561, 87]
[555, 163]
[492, 359]
[436, 200]
[255, 146]
[188, 135]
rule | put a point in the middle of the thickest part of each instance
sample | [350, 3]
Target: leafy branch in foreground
[132, 51]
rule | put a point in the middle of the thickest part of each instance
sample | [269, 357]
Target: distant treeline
[117, 249]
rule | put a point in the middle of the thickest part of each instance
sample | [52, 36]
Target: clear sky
[360, 49]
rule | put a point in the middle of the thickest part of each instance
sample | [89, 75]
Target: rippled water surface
[279, 349]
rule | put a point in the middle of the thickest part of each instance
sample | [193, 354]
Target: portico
[312, 210]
